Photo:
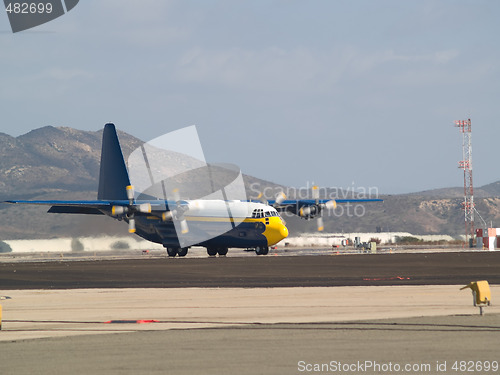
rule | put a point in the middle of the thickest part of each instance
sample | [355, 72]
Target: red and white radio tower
[466, 164]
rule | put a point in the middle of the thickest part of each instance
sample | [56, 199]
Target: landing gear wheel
[172, 251]
[261, 250]
[182, 251]
[222, 251]
[212, 251]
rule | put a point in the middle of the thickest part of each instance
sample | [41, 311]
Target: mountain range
[63, 163]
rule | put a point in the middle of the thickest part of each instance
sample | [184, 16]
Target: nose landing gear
[213, 251]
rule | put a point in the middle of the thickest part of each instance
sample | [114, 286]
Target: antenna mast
[466, 164]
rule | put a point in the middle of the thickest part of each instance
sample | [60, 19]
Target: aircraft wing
[312, 207]
[97, 207]
[311, 202]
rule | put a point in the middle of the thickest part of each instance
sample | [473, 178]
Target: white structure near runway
[330, 239]
[91, 244]
[107, 243]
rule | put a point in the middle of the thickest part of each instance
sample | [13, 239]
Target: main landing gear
[180, 251]
[213, 251]
[261, 250]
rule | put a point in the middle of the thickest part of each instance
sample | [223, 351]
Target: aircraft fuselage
[218, 224]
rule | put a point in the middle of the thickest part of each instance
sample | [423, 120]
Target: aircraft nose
[284, 231]
[275, 232]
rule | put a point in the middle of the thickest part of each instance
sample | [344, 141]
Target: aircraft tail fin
[113, 176]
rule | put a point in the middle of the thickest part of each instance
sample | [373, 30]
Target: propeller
[177, 213]
[315, 210]
[280, 197]
[130, 209]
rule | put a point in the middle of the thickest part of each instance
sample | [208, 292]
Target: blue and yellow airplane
[251, 224]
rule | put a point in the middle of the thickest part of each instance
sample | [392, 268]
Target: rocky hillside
[52, 159]
[415, 214]
[63, 163]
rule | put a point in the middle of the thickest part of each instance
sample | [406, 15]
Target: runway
[450, 268]
[248, 315]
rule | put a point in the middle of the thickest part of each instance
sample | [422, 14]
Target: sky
[339, 93]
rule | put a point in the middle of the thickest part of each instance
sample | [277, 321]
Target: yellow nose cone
[284, 232]
[275, 231]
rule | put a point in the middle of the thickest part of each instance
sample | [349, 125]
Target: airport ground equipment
[481, 294]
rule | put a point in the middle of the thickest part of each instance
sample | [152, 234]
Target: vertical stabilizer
[113, 177]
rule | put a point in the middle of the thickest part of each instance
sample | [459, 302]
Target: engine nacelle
[309, 212]
[119, 210]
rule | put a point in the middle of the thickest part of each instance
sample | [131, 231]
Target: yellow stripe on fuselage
[222, 219]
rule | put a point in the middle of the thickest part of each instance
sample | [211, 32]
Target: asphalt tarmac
[257, 271]
[420, 286]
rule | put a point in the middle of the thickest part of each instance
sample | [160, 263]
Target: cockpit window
[259, 213]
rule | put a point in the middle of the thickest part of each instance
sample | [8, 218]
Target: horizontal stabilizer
[74, 210]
